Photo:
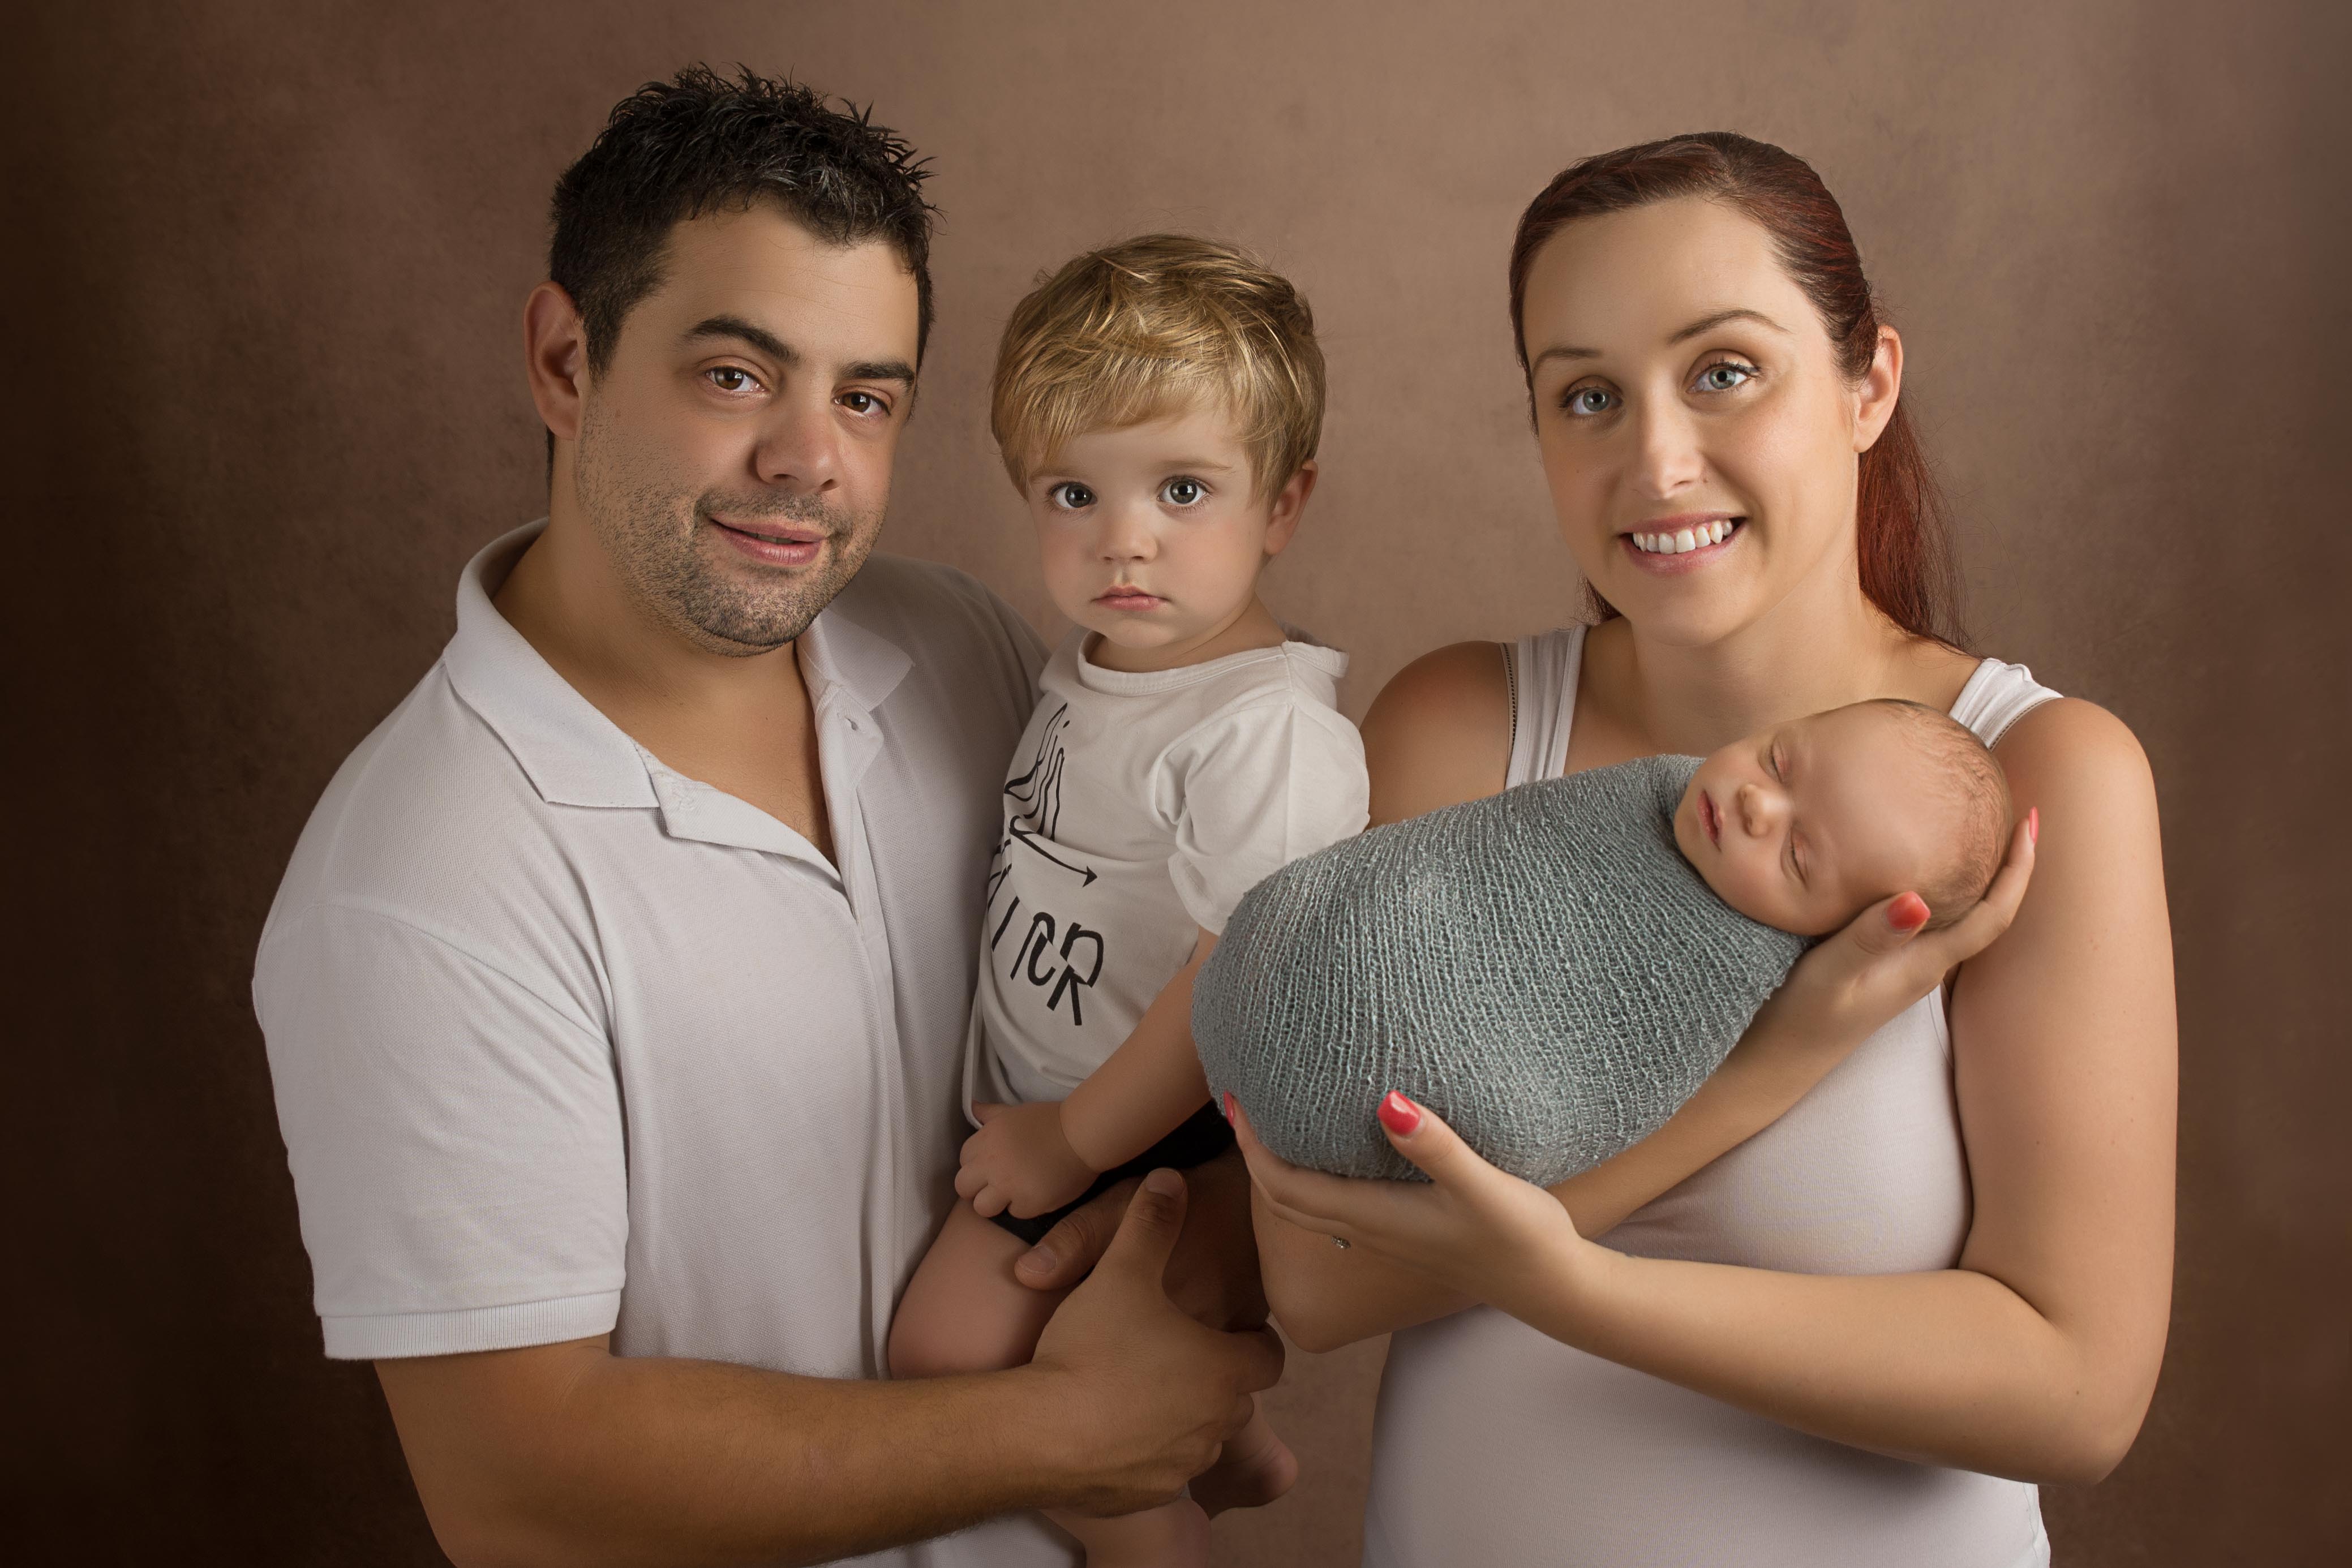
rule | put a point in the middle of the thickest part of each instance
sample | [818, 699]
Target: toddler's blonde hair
[1151, 326]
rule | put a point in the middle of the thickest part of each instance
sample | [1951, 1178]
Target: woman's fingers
[1977, 930]
[1420, 1136]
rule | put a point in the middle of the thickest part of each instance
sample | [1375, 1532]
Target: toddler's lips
[1128, 599]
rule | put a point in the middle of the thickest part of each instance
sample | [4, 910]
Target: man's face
[734, 456]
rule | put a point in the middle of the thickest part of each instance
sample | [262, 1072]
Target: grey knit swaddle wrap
[1540, 967]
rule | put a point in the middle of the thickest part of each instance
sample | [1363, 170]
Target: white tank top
[1496, 1445]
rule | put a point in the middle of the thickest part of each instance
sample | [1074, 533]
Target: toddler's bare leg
[964, 1310]
[1173, 1535]
[1256, 1468]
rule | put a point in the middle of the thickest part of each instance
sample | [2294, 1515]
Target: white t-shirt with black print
[1137, 808]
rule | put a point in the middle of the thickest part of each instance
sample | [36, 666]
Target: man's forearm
[566, 1454]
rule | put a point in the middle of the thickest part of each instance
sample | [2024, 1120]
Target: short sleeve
[454, 1136]
[1255, 788]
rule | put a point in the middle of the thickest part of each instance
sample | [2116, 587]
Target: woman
[1951, 1256]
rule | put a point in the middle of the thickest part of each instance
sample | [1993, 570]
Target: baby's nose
[1756, 808]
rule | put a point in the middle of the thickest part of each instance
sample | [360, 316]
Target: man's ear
[1282, 522]
[1876, 394]
[555, 358]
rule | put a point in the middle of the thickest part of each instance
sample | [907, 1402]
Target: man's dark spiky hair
[702, 144]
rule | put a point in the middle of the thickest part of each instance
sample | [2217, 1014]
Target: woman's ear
[1876, 394]
[1282, 522]
[555, 358]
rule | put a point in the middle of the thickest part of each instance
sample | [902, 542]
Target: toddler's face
[1154, 535]
[1807, 824]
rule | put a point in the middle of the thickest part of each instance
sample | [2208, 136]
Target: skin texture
[2035, 1357]
[760, 389]
[1804, 825]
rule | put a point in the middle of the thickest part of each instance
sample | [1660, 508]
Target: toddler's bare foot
[1175, 1535]
[1255, 1467]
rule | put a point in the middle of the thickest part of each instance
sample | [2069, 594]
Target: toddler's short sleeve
[1256, 787]
[454, 1134]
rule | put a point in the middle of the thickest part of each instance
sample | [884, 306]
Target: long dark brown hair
[1902, 535]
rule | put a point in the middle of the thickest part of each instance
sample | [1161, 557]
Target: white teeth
[1684, 542]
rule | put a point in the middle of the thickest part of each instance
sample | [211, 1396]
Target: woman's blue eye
[1724, 375]
[1071, 497]
[1587, 400]
[1182, 491]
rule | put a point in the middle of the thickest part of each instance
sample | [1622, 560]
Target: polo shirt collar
[574, 755]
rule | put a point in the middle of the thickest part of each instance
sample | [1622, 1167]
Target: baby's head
[1157, 403]
[1806, 825]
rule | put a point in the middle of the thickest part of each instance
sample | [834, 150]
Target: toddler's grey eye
[1073, 497]
[1182, 492]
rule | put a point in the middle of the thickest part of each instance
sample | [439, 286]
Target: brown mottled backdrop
[263, 270]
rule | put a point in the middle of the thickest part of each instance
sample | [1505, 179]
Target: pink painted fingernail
[1907, 912]
[1227, 1105]
[1399, 1114]
[2033, 824]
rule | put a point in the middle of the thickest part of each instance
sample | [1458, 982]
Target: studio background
[264, 398]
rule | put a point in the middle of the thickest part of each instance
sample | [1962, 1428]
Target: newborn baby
[1556, 969]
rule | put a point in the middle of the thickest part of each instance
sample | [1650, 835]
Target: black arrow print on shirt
[1029, 837]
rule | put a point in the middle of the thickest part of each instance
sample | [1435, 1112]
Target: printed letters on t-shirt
[1055, 954]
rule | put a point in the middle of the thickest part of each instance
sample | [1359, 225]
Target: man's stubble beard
[654, 537]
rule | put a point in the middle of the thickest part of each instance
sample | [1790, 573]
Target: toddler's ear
[1282, 522]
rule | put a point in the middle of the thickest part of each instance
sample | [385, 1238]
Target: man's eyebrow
[1737, 313]
[784, 354]
[1704, 324]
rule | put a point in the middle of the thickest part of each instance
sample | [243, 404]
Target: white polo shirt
[564, 1042]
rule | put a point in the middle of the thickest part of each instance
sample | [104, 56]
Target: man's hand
[1020, 1160]
[1213, 1275]
[1147, 1396]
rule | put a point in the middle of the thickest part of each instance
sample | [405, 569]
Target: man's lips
[770, 545]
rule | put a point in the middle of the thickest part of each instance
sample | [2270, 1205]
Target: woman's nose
[1670, 459]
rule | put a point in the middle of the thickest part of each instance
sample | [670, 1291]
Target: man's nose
[799, 446]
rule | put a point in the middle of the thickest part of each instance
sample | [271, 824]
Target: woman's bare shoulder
[1440, 731]
[2076, 747]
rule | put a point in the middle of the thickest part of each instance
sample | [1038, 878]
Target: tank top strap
[1542, 672]
[1997, 695]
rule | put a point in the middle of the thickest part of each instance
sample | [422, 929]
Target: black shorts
[1203, 1136]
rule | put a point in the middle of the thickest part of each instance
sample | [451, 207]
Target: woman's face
[1698, 436]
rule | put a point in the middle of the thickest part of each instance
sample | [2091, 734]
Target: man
[613, 994]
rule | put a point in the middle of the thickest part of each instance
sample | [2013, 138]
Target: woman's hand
[1473, 1228]
[1856, 981]
[1020, 1160]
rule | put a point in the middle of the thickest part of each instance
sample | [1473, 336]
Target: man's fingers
[1148, 1232]
[1076, 1243]
[1261, 1352]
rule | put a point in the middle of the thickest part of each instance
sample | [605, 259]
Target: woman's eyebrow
[1710, 323]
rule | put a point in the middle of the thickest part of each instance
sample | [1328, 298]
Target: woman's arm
[2037, 1356]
